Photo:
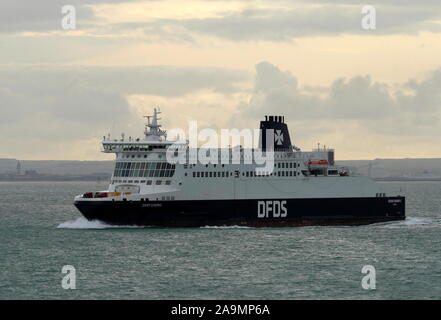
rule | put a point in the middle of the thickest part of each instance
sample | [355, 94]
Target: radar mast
[152, 129]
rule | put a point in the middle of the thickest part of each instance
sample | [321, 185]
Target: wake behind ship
[300, 189]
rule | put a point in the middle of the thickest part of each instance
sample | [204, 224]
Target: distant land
[72, 170]
[422, 169]
[55, 170]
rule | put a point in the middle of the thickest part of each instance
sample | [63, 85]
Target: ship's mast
[152, 131]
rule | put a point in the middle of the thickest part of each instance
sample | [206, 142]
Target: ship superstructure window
[214, 174]
[317, 172]
[144, 169]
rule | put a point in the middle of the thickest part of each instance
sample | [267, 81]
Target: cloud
[60, 105]
[287, 20]
[286, 24]
[43, 15]
[265, 20]
[414, 109]
[47, 111]
[360, 117]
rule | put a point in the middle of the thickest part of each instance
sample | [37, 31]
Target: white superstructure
[142, 172]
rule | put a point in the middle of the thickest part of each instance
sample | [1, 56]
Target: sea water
[41, 232]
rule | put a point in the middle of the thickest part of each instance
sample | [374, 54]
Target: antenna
[148, 119]
[152, 130]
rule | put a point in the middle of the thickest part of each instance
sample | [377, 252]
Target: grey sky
[250, 23]
[224, 63]
[359, 98]
[65, 104]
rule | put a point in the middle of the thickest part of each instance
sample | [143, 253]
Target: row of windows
[144, 169]
[166, 165]
[226, 174]
[287, 165]
[147, 182]
[110, 147]
[144, 173]
[287, 173]
[283, 165]
[137, 156]
[212, 174]
[144, 165]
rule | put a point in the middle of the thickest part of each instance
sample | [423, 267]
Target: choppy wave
[83, 223]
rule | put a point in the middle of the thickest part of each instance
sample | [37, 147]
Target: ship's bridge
[154, 139]
[134, 146]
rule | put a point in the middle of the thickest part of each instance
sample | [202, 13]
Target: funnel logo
[278, 137]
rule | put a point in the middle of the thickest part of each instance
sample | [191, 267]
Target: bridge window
[143, 169]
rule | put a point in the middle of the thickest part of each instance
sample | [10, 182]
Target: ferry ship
[301, 189]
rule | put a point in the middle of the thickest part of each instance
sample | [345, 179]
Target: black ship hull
[254, 213]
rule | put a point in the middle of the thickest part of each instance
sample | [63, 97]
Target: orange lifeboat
[325, 162]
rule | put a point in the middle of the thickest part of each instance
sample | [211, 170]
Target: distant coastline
[105, 178]
[53, 178]
[73, 170]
